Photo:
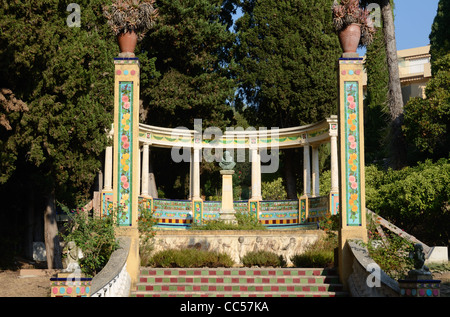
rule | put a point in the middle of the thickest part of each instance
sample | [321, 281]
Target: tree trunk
[395, 100]
[51, 234]
[30, 223]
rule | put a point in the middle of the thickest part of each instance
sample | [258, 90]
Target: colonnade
[306, 139]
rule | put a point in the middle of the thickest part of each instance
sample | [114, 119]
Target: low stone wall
[114, 280]
[367, 279]
[238, 243]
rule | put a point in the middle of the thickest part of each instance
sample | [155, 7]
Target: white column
[256, 175]
[315, 171]
[191, 175]
[108, 168]
[196, 172]
[306, 171]
[145, 165]
[334, 165]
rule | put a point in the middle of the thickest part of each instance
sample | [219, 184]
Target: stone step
[239, 288]
[240, 294]
[236, 272]
[238, 282]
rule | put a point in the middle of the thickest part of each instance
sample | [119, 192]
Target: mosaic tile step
[242, 294]
[240, 280]
[239, 288]
[236, 272]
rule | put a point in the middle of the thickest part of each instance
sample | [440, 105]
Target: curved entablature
[312, 134]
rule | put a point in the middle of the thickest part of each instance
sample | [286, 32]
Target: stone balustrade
[114, 280]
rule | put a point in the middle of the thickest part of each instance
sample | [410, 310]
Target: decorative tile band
[352, 154]
[125, 146]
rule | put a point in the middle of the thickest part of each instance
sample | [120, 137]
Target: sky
[413, 20]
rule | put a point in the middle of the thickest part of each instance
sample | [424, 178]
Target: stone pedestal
[227, 211]
[419, 286]
[70, 285]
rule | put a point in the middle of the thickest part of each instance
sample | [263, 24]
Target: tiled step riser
[241, 273]
[243, 295]
[239, 280]
[238, 288]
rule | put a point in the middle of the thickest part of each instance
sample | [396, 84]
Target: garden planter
[349, 38]
[127, 42]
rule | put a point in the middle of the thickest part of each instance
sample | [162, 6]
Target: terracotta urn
[127, 42]
[349, 38]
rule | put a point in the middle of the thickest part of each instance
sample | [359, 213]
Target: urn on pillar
[126, 19]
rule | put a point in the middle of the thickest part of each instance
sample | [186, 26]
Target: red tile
[234, 280]
[204, 280]
[189, 280]
[219, 280]
[180, 288]
[274, 288]
[167, 272]
[256, 272]
[311, 280]
[182, 273]
[149, 287]
[227, 272]
[158, 279]
[212, 272]
[165, 288]
[196, 288]
[290, 288]
[272, 272]
[281, 280]
[173, 280]
[251, 280]
[212, 288]
[241, 272]
[197, 272]
[266, 280]
[227, 288]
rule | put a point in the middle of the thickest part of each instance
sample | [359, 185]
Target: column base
[228, 216]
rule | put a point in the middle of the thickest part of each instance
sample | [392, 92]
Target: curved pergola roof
[311, 134]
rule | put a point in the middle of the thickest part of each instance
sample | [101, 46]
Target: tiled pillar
[352, 208]
[126, 156]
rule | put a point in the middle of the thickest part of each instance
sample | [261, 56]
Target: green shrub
[146, 223]
[263, 259]
[314, 258]
[319, 254]
[189, 258]
[245, 221]
[96, 238]
[273, 190]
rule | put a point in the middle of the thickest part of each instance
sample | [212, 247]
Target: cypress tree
[65, 76]
[286, 66]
